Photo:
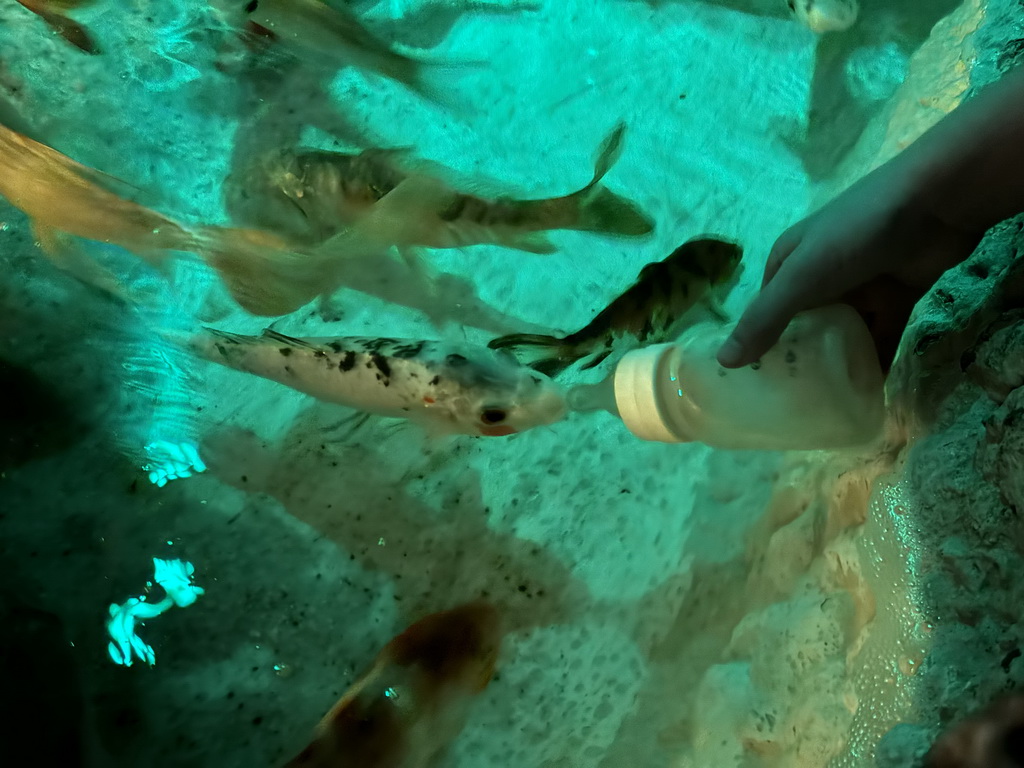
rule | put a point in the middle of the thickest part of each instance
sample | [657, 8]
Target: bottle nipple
[593, 397]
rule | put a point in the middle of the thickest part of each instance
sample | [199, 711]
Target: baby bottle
[820, 386]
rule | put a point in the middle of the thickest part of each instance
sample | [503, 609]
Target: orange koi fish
[414, 700]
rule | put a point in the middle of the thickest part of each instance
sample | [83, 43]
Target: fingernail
[730, 353]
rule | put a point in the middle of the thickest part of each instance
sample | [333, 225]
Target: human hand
[875, 247]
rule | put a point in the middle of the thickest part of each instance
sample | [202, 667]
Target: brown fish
[394, 199]
[650, 310]
[992, 738]
[54, 13]
[413, 701]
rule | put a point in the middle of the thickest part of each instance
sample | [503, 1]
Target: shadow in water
[356, 495]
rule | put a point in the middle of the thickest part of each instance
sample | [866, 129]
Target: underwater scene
[512, 383]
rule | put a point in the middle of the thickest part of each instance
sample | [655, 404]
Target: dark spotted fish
[444, 387]
[650, 310]
[413, 701]
[54, 13]
[395, 199]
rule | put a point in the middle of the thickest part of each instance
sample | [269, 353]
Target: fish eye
[493, 415]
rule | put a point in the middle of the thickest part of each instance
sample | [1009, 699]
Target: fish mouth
[498, 430]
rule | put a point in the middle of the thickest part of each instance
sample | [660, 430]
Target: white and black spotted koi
[650, 310]
[445, 387]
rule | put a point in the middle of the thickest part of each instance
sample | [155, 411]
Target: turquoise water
[621, 569]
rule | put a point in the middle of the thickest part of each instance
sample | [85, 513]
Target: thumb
[761, 324]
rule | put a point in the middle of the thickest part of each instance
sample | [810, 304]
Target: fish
[989, 738]
[311, 194]
[63, 198]
[821, 16]
[267, 278]
[446, 388]
[388, 196]
[413, 701]
[650, 310]
[334, 36]
[54, 14]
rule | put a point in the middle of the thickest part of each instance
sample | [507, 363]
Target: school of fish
[308, 223]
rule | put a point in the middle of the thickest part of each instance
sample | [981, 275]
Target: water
[657, 600]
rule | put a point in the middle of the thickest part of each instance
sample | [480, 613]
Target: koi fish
[650, 310]
[448, 389]
[385, 194]
[54, 13]
[63, 198]
[414, 699]
[336, 37]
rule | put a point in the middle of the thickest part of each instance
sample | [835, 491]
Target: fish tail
[553, 366]
[599, 209]
[263, 275]
[551, 355]
[515, 340]
[430, 78]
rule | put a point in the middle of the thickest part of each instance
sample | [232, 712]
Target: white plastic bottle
[820, 386]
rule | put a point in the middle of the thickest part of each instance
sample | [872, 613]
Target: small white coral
[172, 461]
[175, 576]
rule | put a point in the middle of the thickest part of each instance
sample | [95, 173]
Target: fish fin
[600, 358]
[422, 75]
[601, 210]
[513, 340]
[291, 341]
[608, 153]
[407, 215]
[531, 242]
[69, 29]
[69, 257]
[239, 338]
[558, 354]
[552, 366]
[263, 274]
